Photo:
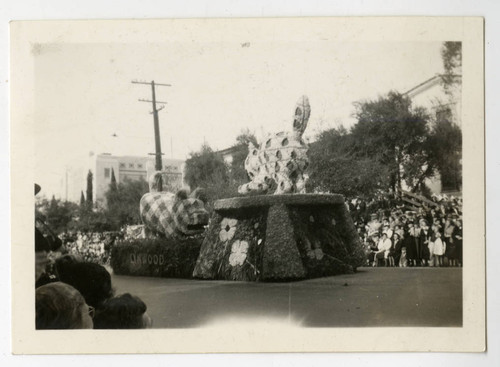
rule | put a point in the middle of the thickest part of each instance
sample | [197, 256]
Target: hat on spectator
[41, 243]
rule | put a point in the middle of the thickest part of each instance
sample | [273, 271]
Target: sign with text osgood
[156, 257]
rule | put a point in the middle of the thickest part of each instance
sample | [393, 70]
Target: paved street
[371, 297]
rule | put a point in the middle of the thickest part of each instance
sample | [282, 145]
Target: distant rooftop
[138, 158]
[429, 83]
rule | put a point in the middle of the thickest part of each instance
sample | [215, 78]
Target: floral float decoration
[228, 228]
[239, 251]
[276, 231]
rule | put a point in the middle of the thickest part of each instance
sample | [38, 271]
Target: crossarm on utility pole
[148, 100]
[149, 83]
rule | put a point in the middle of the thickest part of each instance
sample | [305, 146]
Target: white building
[433, 95]
[134, 168]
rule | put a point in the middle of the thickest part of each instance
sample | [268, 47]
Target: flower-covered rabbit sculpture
[281, 158]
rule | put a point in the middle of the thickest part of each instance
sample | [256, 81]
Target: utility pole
[158, 153]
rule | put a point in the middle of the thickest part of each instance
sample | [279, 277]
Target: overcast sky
[84, 94]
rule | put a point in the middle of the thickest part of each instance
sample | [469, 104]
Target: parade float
[276, 231]
[273, 231]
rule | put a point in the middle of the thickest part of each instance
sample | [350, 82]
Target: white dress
[439, 247]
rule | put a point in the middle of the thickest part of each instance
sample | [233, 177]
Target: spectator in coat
[451, 249]
[373, 242]
[458, 241]
[397, 246]
[424, 241]
[412, 245]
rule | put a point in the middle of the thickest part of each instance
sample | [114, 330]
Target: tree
[393, 133]
[113, 186]
[245, 137]
[445, 145]
[92, 221]
[89, 189]
[446, 142]
[82, 200]
[451, 54]
[57, 214]
[123, 202]
[207, 169]
[336, 168]
[237, 173]
[113, 180]
[389, 145]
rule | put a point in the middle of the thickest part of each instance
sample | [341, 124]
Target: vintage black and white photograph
[307, 174]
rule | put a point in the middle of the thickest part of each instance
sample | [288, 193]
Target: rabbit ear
[302, 113]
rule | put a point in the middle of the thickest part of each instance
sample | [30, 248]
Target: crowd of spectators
[75, 293]
[79, 295]
[410, 231]
[96, 247]
[91, 247]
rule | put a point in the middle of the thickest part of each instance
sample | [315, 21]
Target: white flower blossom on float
[79, 242]
[239, 251]
[228, 228]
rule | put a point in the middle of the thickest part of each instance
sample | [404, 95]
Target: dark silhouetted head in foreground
[122, 312]
[92, 280]
[60, 306]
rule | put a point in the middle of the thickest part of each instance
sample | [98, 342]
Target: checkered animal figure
[174, 215]
[281, 158]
